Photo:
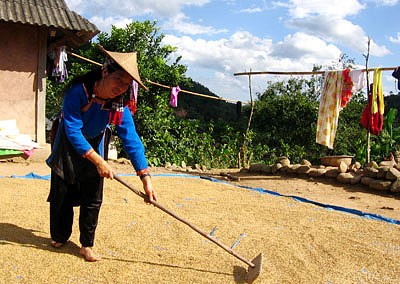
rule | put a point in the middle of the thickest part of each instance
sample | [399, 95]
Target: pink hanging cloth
[173, 101]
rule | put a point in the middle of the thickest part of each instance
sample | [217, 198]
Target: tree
[285, 119]
[167, 138]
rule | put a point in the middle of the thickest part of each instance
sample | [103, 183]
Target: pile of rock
[384, 176]
[183, 167]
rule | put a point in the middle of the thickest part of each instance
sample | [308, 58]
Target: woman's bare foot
[55, 244]
[88, 254]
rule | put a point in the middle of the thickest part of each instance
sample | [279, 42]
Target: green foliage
[285, 125]
[54, 96]
[285, 120]
[167, 138]
[388, 141]
[203, 108]
[211, 132]
[350, 134]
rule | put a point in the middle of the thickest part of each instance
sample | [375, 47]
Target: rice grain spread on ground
[138, 243]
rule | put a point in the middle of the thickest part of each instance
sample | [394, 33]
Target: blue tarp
[258, 189]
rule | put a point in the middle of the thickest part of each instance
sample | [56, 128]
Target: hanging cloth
[372, 122]
[132, 102]
[173, 101]
[359, 79]
[60, 72]
[396, 74]
[347, 88]
[377, 93]
[329, 108]
[372, 117]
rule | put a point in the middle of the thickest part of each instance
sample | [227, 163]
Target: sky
[218, 38]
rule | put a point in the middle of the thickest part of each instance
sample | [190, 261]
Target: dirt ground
[300, 242]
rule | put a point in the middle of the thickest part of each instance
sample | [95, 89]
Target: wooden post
[246, 162]
[368, 94]
[40, 119]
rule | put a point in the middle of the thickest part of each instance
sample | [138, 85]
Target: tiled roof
[49, 13]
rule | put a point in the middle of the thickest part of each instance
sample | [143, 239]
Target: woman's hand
[148, 188]
[105, 170]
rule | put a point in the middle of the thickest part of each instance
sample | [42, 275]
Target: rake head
[253, 272]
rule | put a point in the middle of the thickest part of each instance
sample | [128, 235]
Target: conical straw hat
[128, 62]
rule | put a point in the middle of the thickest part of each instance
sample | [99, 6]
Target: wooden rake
[255, 266]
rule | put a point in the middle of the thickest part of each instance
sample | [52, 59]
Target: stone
[332, 172]
[366, 180]
[123, 161]
[371, 172]
[355, 167]
[255, 168]
[316, 172]
[381, 185]
[356, 179]
[266, 169]
[372, 164]
[395, 187]
[275, 168]
[393, 174]
[303, 169]
[284, 161]
[344, 178]
[284, 169]
[382, 170]
[343, 167]
[390, 163]
[293, 168]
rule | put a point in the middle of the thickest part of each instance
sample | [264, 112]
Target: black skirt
[68, 168]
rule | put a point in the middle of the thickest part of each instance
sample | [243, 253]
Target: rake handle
[169, 212]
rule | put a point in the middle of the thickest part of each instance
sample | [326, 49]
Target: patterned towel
[329, 108]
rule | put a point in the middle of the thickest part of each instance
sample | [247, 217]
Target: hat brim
[128, 62]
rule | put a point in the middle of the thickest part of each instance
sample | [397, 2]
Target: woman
[79, 150]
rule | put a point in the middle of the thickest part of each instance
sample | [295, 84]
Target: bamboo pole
[302, 72]
[368, 154]
[246, 137]
[193, 93]
[84, 58]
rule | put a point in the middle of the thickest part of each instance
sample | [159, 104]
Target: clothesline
[84, 58]
[158, 84]
[303, 72]
[193, 93]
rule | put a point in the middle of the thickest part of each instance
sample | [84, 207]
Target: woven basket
[335, 160]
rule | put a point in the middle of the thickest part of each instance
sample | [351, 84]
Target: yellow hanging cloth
[377, 93]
